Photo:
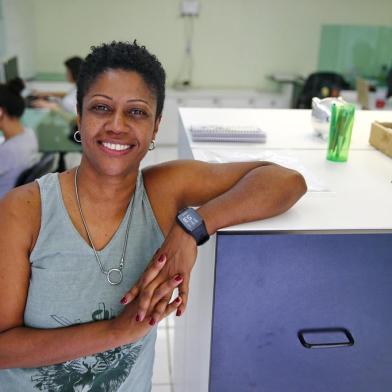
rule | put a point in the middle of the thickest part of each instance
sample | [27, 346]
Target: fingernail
[137, 318]
[123, 300]
[178, 313]
[152, 322]
[178, 278]
[177, 300]
[162, 258]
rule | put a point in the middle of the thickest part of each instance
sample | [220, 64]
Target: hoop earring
[152, 145]
[77, 137]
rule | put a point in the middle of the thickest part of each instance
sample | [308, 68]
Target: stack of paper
[222, 133]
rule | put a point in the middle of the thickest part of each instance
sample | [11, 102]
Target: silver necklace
[114, 275]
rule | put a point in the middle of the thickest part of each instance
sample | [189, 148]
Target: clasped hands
[169, 269]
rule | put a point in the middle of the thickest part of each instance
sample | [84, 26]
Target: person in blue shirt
[59, 100]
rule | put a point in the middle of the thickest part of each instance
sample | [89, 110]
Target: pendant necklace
[114, 275]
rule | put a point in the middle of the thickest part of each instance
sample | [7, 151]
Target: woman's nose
[119, 122]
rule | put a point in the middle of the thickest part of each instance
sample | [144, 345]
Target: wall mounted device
[190, 8]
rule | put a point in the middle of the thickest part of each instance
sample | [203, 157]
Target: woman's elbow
[299, 184]
[293, 187]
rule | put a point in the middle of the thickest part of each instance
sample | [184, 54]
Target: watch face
[190, 219]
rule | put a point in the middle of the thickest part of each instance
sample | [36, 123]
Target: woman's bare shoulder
[20, 213]
[25, 198]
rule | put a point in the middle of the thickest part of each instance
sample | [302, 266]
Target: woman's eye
[101, 108]
[137, 112]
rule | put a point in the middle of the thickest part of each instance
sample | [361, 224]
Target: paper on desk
[314, 184]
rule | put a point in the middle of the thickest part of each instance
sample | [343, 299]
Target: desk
[50, 86]
[52, 130]
[372, 97]
[326, 263]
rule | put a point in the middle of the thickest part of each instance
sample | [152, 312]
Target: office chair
[389, 83]
[321, 85]
[45, 165]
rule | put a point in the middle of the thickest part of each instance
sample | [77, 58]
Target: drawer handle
[325, 331]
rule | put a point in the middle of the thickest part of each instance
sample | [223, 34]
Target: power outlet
[190, 7]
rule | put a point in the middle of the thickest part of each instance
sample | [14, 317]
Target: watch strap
[201, 234]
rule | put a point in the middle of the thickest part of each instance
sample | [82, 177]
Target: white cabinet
[168, 130]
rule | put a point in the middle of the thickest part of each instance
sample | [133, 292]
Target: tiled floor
[162, 381]
[162, 378]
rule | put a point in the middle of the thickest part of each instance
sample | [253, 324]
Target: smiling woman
[90, 257]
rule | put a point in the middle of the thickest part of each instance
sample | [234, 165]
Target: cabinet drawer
[270, 287]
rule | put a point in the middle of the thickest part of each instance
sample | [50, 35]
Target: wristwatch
[191, 221]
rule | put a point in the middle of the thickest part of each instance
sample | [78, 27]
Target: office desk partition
[53, 130]
[298, 302]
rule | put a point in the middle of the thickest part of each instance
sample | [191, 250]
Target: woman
[62, 101]
[19, 151]
[91, 232]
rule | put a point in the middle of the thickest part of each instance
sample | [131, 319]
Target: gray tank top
[67, 287]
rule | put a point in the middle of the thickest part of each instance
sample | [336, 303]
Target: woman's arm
[21, 346]
[227, 194]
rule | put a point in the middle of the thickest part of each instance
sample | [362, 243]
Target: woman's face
[118, 122]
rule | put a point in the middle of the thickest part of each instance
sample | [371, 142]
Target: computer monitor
[11, 70]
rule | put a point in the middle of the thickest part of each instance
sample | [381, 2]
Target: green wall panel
[356, 51]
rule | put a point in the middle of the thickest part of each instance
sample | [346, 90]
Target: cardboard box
[381, 137]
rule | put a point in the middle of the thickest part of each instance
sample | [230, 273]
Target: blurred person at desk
[19, 151]
[58, 100]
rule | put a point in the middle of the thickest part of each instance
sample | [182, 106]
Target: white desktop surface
[285, 128]
[49, 86]
[357, 195]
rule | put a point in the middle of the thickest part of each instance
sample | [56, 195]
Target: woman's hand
[178, 254]
[128, 323]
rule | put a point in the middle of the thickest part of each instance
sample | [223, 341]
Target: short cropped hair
[73, 64]
[10, 99]
[125, 56]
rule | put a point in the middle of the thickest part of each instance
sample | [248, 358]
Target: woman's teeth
[116, 147]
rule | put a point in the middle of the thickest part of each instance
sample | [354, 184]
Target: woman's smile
[115, 148]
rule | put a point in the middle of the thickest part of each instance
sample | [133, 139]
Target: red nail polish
[123, 300]
[137, 318]
[161, 258]
[152, 322]
[178, 278]
[177, 300]
[178, 313]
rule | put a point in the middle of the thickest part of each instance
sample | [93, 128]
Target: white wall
[19, 34]
[236, 42]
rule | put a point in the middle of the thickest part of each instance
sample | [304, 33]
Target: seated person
[20, 148]
[61, 101]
